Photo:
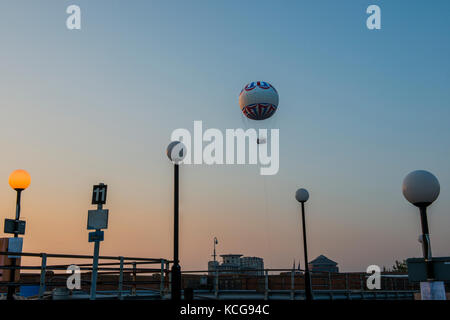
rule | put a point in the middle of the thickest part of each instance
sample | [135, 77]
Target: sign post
[97, 220]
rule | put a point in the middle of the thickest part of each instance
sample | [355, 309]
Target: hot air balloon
[258, 101]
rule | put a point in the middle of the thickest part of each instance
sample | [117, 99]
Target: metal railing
[289, 284]
[128, 277]
[120, 266]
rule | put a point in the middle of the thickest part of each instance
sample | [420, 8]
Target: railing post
[292, 285]
[121, 279]
[216, 285]
[347, 285]
[329, 281]
[330, 285]
[133, 290]
[167, 273]
[43, 271]
[361, 282]
[346, 281]
[266, 284]
[161, 285]
[170, 284]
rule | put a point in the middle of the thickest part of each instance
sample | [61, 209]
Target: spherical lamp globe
[302, 195]
[421, 188]
[176, 151]
[19, 179]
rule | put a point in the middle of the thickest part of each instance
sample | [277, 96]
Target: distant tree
[400, 266]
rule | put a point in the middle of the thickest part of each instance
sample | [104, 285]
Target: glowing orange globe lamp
[19, 179]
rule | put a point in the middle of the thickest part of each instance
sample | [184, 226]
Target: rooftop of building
[231, 255]
[322, 260]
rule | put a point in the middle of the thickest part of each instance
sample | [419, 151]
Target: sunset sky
[359, 109]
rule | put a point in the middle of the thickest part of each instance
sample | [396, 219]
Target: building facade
[236, 263]
[255, 265]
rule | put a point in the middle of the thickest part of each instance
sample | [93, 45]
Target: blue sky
[358, 110]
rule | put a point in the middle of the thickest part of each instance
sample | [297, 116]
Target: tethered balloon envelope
[258, 100]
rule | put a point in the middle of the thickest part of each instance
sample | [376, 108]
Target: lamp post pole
[12, 276]
[176, 151]
[426, 244]
[302, 196]
[19, 193]
[176, 269]
[308, 291]
[214, 254]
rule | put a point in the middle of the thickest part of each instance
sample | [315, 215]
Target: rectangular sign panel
[99, 194]
[96, 236]
[11, 226]
[97, 219]
[417, 269]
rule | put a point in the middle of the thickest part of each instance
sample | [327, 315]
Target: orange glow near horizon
[19, 179]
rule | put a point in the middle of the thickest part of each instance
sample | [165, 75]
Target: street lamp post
[421, 188]
[302, 196]
[215, 243]
[19, 180]
[176, 151]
